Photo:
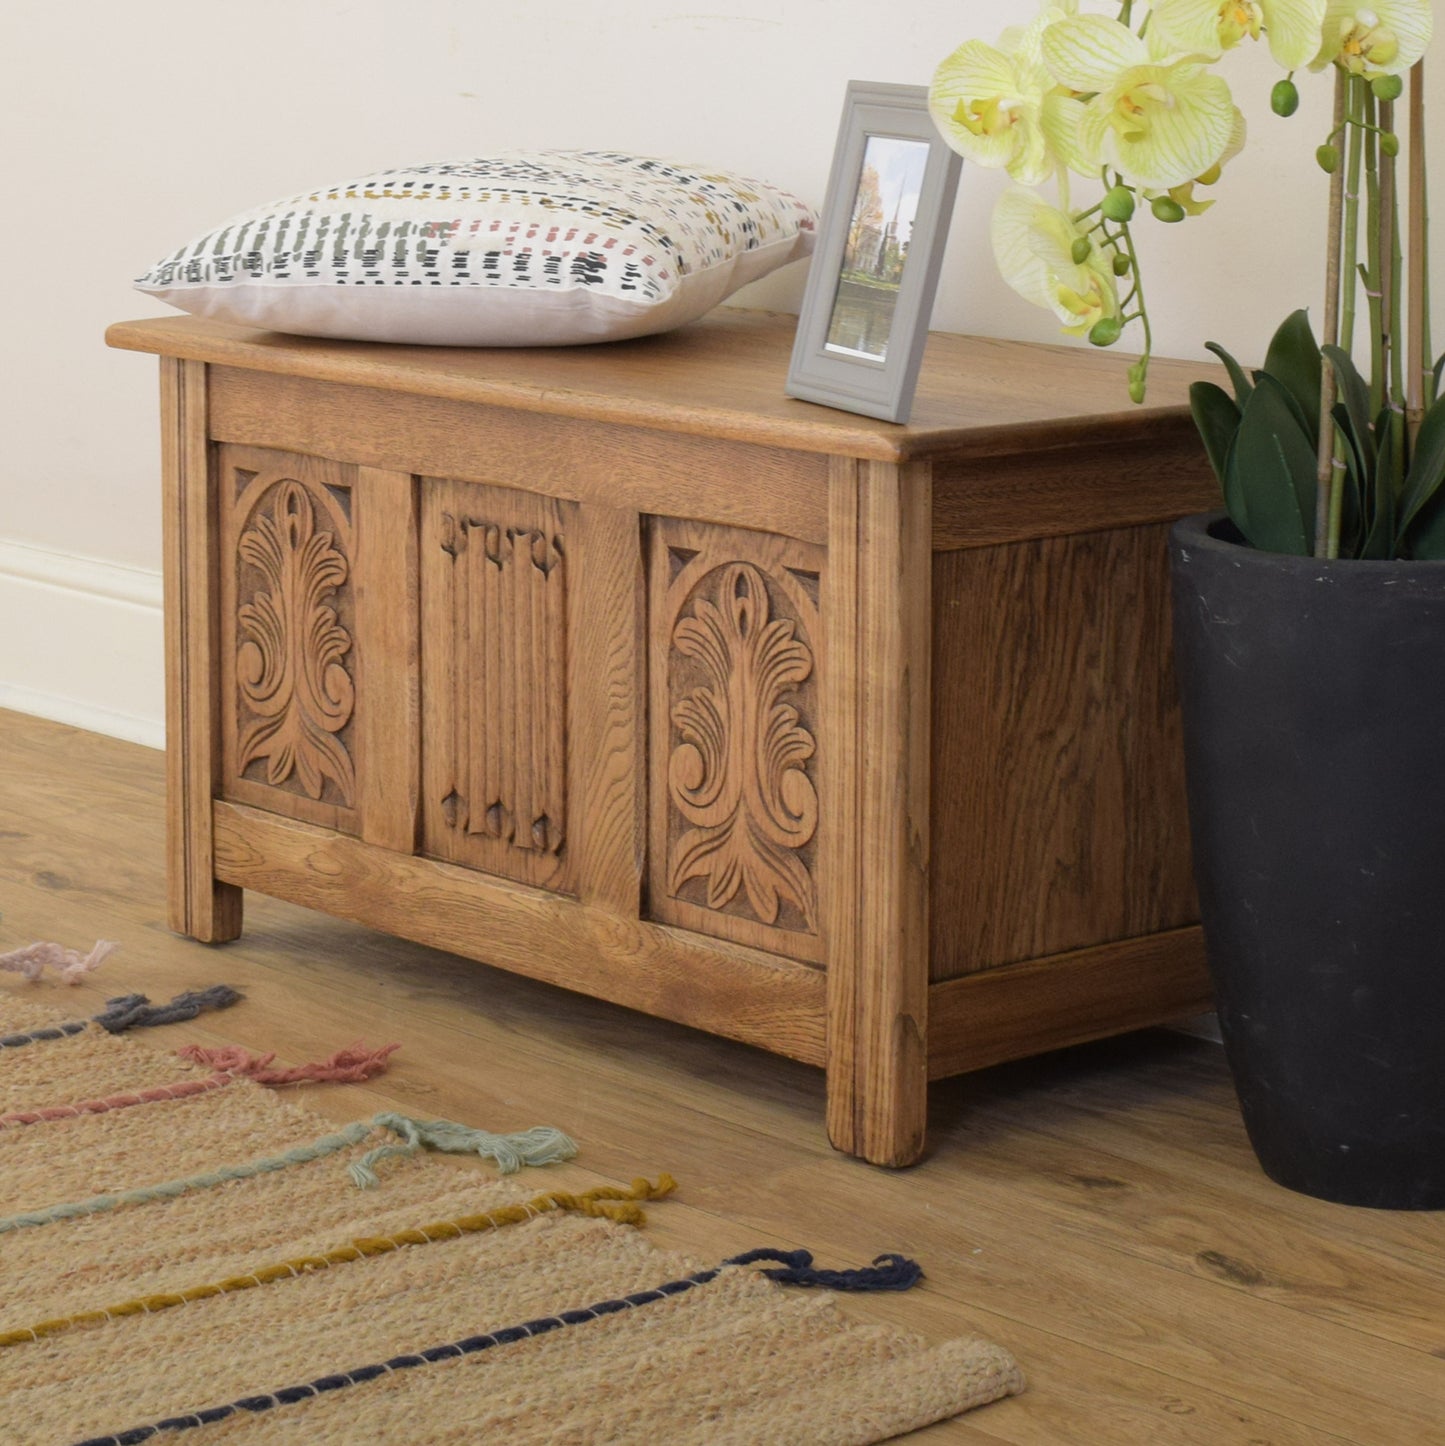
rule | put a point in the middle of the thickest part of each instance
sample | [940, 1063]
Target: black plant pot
[1313, 699]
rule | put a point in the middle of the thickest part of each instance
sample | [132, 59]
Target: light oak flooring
[1098, 1211]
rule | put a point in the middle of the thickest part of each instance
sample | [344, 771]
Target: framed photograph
[880, 245]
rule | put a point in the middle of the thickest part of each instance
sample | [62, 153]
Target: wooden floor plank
[1097, 1211]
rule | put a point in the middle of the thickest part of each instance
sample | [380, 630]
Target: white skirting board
[82, 642]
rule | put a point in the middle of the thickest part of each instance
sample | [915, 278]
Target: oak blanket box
[615, 667]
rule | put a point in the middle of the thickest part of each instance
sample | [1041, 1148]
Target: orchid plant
[1311, 455]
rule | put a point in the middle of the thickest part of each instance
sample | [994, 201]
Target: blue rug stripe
[794, 1267]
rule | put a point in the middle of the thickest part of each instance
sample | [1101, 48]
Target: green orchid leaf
[1353, 468]
[1435, 376]
[1236, 497]
[1380, 539]
[1367, 514]
[1428, 541]
[1217, 418]
[1301, 420]
[1422, 528]
[1353, 480]
[1345, 429]
[1242, 384]
[1354, 392]
[1272, 468]
[1293, 360]
[1393, 467]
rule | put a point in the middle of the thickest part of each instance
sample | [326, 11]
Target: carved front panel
[288, 634]
[494, 604]
[735, 656]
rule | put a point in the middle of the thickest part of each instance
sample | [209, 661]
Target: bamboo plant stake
[1326, 526]
[1400, 364]
[1389, 229]
[1420, 363]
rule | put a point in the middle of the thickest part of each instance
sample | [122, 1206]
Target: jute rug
[184, 1252]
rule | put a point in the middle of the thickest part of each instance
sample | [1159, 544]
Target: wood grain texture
[736, 653]
[878, 1108]
[699, 476]
[1096, 1211]
[841, 851]
[288, 633]
[1059, 817]
[722, 987]
[723, 377]
[982, 501]
[606, 685]
[199, 906]
[494, 592]
[388, 630]
[987, 1018]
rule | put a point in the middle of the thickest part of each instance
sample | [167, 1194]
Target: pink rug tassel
[70, 964]
[352, 1065]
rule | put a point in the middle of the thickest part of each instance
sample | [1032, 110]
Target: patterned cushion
[540, 248]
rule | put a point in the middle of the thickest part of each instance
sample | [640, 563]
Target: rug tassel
[70, 964]
[541, 1145]
[618, 1205]
[353, 1065]
[122, 1007]
[135, 1011]
[131, 1011]
[795, 1267]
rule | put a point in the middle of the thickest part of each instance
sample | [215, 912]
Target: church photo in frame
[870, 289]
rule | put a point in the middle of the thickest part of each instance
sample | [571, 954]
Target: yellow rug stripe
[609, 1201]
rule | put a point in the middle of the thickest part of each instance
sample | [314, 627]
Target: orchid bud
[1118, 204]
[1328, 158]
[1284, 98]
[1080, 250]
[1106, 331]
[1165, 208]
[1387, 87]
[1137, 374]
[1122, 264]
[1389, 143]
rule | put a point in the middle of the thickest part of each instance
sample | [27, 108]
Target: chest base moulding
[615, 667]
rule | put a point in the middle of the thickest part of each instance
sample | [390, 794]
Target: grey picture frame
[875, 385]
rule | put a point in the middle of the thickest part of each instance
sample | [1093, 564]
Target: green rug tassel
[541, 1145]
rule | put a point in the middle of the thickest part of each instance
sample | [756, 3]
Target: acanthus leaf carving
[291, 663]
[738, 775]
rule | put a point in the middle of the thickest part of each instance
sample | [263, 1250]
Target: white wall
[129, 127]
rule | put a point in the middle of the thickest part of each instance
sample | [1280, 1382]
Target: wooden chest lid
[723, 376]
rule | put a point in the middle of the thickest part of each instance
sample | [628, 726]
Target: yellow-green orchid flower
[1159, 121]
[1375, 37]
[1210, 27]
[989, 103]
[1033, 244]
[1184, 195]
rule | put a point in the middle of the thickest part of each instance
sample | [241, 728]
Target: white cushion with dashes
[539, 248]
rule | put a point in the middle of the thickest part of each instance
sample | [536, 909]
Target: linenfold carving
[510, 619]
